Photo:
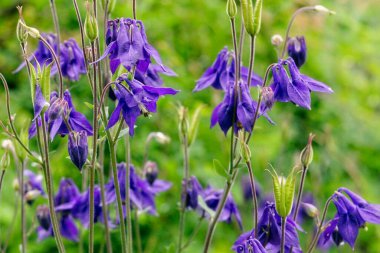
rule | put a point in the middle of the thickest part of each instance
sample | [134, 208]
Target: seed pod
[183, 121]
[257, 12]
[307, 153]
[247, 11]
[231, 8]
[90, 25]
[110, 7]
[5, 161]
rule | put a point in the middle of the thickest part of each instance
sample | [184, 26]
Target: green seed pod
[257, 16]
[183, 121]
[248, 18]
[231, 8]
[307, 153]
[91, 25]
[111, 5]
[283, 189]
[22, 34]
[5, 161]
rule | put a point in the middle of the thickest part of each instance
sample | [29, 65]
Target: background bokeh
[343, 51]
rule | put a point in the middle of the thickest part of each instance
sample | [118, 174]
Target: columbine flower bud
[310, 210]
[5, 161]
[43, 217]
[267, 98]
[306, 156]
[90, 25]
[16, 185]
[257, 16]
[247, 11]
[57, 109]
[297, 50]
[32, 195]
[323, 9]
[231, 8]
[150, 172]
[78, 148]
[277, 40]
[283, 189]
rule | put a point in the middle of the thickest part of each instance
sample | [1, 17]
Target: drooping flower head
[222, 73]
[246, 243]
[294, 87]
[75, 119]
[32, 186]
[135, 99]
[226, 114]
[127, 45]
[297, 50]
[194, 189]
[71, 57]
[78, 148]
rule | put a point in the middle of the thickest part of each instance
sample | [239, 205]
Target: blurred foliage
[343, 51]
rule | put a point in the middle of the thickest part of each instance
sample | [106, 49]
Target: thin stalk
[23, 220]
[57, 63]
[283, 226]
[241, 42]
[134, 9]
[254, 196]
[214, 220]
[49, 186]
[56, 24]
[103, 197]
[137, 231]
[300, 191]
[1, 178]
[127, 193]
[186, 175]
[94, 154]
[251, 60]
[118, 195]
[81, 29]
[319, 231]
[295, 14]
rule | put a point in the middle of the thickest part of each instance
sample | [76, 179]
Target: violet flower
[71, 57]
[76, 120]
[297, 50]
[127, 45]
[223, 113]
[246, 243]
[134, 100]
[151, 76]
[330, 235]
[194, 189]
[64, 202]
[78, 148]
[295, 88]
[222, 73]
[32, 186]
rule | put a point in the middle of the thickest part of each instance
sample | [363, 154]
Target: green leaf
[33, 80]
[90, 106]
[218, 167]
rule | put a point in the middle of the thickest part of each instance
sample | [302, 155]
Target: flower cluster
[71, 205]
[71, 57]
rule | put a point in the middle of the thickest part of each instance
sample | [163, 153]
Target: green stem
[23, 220]
[283, 226]
[103, 197]
[186, 175]
[49, 186]
[1, 178]
[254, 196]
[94, 154]
[127, 193]
[56, 24]
[137, 231]
[251, 60]
[300, 191]
[319, 231]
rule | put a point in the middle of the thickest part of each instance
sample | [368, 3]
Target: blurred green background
[343, 52]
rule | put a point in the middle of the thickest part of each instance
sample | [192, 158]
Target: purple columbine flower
[39, 102]
[269, 231]
[222, 73]
[297, 50]
[352, 215]
[295, 88]
[223, 113]
[246, 243]
[151, 77]
[64, 201]
[78, 148]
[43, 217]
[32, 186]
[194, 189]
[330, 235]
[142, 194]
[127, 45]
[77, 120]
[80, 209]
[212, 197]
[134, 100]
[71, 57]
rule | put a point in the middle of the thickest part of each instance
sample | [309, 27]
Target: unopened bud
[22, 34]
[5, 161]
[306, 156]
[8, 145]
[16, 185]
[277, 40]
[323, 9]
[231, 8]
[297, 50]
[150, 172]
[159, 137]
[310, 210]
[43, 217]
[90, 25]
[32, 195]
[183, 121]
[78, 148]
